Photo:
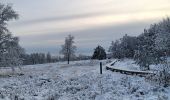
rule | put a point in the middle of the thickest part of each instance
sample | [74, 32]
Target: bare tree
[68, 49]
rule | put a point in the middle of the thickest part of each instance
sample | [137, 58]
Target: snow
[81, 80]
[127, 65]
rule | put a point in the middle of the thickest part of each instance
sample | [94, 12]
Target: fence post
[100, 67]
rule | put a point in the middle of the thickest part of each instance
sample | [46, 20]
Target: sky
[44, 24]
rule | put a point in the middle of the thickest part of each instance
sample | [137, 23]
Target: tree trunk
[68, 59]
[147, 67]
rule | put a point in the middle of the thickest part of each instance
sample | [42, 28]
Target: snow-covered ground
[130, 65]
[78, 81]
[126, 64]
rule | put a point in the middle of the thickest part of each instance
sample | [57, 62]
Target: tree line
[152, 46]
[38, 58]
[42, 58]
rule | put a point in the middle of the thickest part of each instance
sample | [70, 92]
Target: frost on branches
[10, 50]
[68, 49]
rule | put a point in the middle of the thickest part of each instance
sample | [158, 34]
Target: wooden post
[100, 67]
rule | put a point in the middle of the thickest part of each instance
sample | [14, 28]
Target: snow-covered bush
[163, 75]
[162, 97]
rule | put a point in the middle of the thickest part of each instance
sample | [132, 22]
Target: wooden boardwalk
[128, 72]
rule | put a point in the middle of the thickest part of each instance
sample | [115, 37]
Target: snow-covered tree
[37, 58]
[115, 49]
[68, 49]
[12, 55]
[99, 53]
[124, 48]
[146, 54]
[163, 74]
[162, 40]
[83, 57]
[49, 59]
[128, 46]
[6, 14]
[153, 44]
[10, 50]
[162, 44]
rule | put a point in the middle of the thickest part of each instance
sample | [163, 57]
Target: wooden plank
[129, 72]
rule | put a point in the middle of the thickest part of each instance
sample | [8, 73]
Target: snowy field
[78, 81]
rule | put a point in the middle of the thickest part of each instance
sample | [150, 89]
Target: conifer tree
[99, 53]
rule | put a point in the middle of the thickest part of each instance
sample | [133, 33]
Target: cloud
[82, 23]
[61, 18]
[85, 39]
[44, 24]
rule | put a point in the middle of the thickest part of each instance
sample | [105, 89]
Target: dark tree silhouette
[99, 53]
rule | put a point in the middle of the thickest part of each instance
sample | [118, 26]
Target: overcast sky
[43, 24]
